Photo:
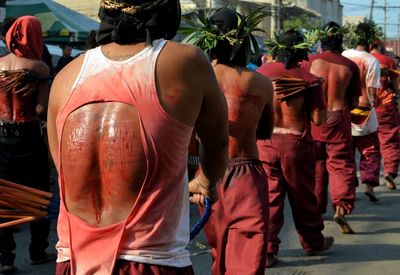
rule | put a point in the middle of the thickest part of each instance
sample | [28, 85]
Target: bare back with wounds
[248, 94]
[102, 157]
[290, 114]
[24, 108]
[336, 81]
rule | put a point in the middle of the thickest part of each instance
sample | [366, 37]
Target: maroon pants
[133, 268]
[237, 229]
[335, 161]
[335, 164]
[370, 158]
[389, 138]
[289, 163]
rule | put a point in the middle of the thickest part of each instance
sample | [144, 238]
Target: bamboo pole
[25, 188]
[17, 222]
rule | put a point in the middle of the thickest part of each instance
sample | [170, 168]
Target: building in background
[355, 19]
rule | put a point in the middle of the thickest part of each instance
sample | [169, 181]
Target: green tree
[300, 21]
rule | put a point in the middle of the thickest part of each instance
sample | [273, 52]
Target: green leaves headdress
[204, 33]
[289, 51]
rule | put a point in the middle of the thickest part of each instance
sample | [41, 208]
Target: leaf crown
[291, 51]
[204, 33]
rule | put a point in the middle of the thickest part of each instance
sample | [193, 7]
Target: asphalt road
[375, 249]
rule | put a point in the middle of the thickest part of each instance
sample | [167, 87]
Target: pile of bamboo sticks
[21, 204]
[288, 86]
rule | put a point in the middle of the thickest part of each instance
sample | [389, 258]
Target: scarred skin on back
[248, 94]
[24, 108]
[336, 80]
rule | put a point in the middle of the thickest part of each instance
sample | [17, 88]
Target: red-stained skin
[247, 94]
[103, 160]
[23, 108]
[336, 80]
[102, 143]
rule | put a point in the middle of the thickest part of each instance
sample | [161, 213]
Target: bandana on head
[25, 38]
[126, 22]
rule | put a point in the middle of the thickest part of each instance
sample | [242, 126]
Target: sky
[363, 7]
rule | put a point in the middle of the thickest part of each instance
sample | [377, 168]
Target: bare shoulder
[260, 83]
[64, 80]
[184, 56]
[40, 68]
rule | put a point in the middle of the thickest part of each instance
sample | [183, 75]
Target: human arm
[43, 90]
[266, 122]
[212, 129]
[318, 106]
[372, 79]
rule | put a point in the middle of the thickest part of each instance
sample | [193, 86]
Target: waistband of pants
[285, 131]
[19, 129]
[244, 160]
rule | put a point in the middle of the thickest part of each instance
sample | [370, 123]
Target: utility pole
[372, 10]
[2, 10]
[385, 18]
[278, 20]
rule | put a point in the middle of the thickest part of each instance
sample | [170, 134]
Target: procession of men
[128, 117]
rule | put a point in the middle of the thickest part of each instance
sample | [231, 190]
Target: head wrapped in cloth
[25, 38]
[133, 21]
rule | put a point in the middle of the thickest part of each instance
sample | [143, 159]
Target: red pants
[133, 268]
[237, 229]
[335, 161]
[389, 138]
[370, 161]
[335, 164]
[289, 163]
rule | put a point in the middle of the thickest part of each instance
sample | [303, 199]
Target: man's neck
[361, 48]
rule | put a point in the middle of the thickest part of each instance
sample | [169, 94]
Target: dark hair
[6, 25]
[226, 20]
[292, 56]
[145, 25]
[333, 40]
[364, 33]
[91, 40]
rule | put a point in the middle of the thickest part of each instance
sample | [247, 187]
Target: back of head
[378, 46]
[226, 21]
[287, 51]
[6, 25]
[25, 38]
[133, 21]
[333, 38]
[364, 35]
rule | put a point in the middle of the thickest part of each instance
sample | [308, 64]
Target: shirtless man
[364, 122]
[23, 153]
[332, 139]
[387, 114]
[120, 120]
[288, 156]
[239, 221]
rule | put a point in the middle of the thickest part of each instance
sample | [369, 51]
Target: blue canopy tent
[60, 25]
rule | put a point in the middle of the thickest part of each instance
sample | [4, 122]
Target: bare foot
[341, 221]
[272, 259]
[369, 192]
[390, 182]
[328, 242]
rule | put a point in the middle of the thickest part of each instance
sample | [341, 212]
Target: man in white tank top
[120, 120]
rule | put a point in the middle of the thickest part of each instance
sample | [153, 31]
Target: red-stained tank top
[157, 229]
